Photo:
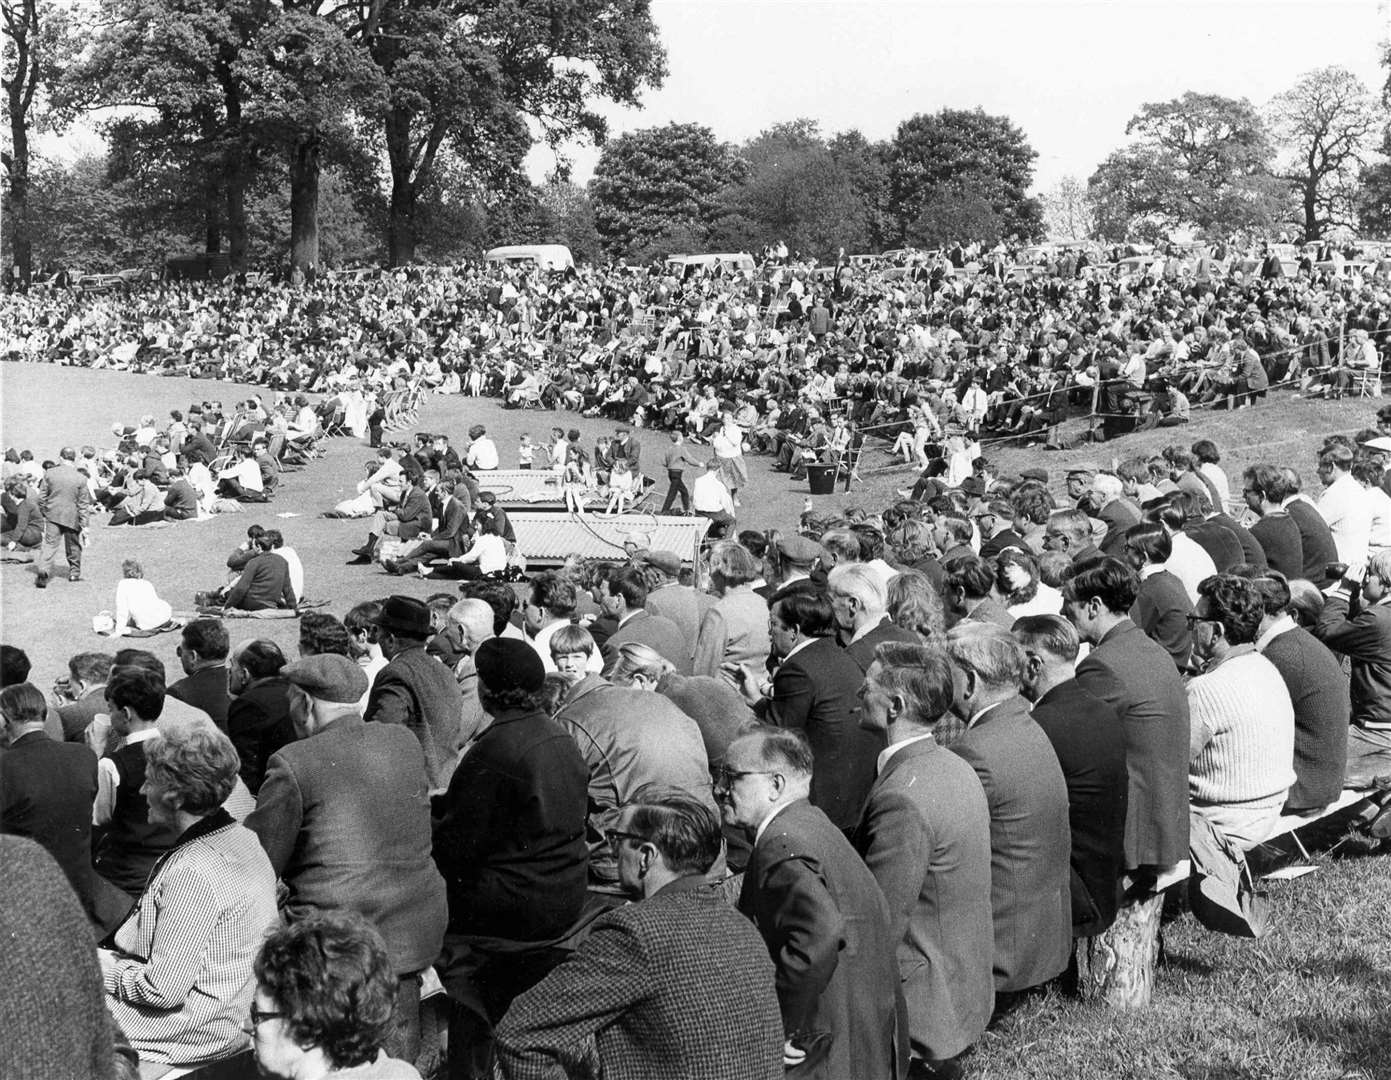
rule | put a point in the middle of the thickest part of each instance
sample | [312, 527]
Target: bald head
[474, 618]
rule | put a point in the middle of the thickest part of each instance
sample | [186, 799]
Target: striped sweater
[1241, 748]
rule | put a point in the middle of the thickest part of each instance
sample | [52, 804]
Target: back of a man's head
[555, 594]
[920, 675]
[92, 668]
[208, 638]
[14, 666]
[989, 651]
[1051, 636]
[138, 689]
[1110, 581]
[684, 830]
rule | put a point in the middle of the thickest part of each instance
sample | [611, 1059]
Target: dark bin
[821, 479]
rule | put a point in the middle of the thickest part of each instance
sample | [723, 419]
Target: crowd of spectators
[830, 801]
[864, 787]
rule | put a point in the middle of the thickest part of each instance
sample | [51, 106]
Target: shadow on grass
[1360, 1042]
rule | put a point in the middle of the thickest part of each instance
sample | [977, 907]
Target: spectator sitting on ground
[325, 1001]
[177, 974]
[138, 606]
[1242, 743]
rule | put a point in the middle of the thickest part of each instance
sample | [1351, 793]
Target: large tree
[1201, 160]
[659, 186]
[483, 79]
[960, 156]
[1325, 125]
[31, 38]
[791, 187]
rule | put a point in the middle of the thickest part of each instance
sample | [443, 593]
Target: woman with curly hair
[914, 604]
[325, 995]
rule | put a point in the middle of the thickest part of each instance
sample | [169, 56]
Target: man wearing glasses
[823, 918]
[674, 983]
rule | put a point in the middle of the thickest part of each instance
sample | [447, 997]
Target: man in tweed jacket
[676, 984]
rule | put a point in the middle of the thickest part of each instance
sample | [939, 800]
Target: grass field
[1310, 1000]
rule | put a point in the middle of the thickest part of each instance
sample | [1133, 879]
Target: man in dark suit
[416, 690]
[815, 689]
[823, 917]
[1319, 693]
[674, 984]
[1137, 678]
[925, 836]
[996, 523]
[1315, 537]
[1089, 739]
[47, 788]
[330, 855]
[66, 503]
[450, 540]
[1027, 795]
[860, 603]
[203, 647]
[623, 598]
[509, 840]
[1162, 606]
[258, 718]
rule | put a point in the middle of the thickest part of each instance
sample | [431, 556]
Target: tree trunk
[17, 167]
[212, 216]
[1311, 213]
[1116, 968]
[236, 218]
[400, 228]
[304, 204]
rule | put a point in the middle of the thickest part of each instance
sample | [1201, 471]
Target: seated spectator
[925, 836]
[1027, 797]
[1356, 623]
[860, 600]
[1265, 490]
[258, 718]
[674, 983]
[380, 867]
[86, 693]
[1242, 743]
[324, 1001]
[23, 526]
[1161, 607]
[1089, 739]
[46, 791]
[178, 972]
[1318, 689]
[967, 596]
[915, 605]
[718, 710]
[734, 629]
[138, 606]
[264, 584]
[202, 650]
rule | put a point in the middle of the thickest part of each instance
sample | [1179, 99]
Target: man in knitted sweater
[1241, 750]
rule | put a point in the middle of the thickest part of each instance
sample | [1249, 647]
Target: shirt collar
[1283, 625]
[867, 628]
[893, 748]
[975, 717]
[762, 828]
[798, 648]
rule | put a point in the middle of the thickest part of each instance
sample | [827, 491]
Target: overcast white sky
[1070, 74]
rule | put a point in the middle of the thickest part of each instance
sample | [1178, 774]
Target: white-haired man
[860, 602]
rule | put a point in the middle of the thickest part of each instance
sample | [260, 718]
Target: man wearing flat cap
[798, 557]
[510, 842]
[344, 816]
[416, 690]
[666, 596]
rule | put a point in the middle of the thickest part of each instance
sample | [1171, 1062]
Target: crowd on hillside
[963, 339]
[827, 804]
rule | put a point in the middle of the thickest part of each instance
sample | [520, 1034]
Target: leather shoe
[361, 560]
[41, 582]
[74, 575]
[391, 567]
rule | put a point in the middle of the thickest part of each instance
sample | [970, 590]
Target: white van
[545, 256]
[741, 260]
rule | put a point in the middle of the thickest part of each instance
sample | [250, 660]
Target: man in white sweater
[1241, 748]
